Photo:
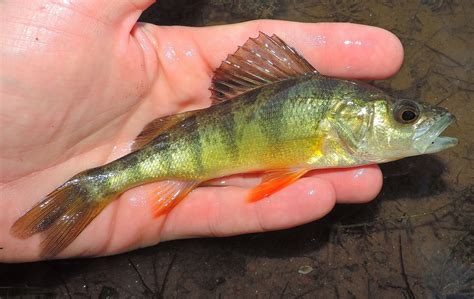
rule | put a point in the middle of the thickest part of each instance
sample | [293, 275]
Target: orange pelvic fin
[273, 181]
[169, 194]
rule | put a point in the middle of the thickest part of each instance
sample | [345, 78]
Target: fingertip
[389, 54]
[369, 180]
[359, 51]
[353, 185]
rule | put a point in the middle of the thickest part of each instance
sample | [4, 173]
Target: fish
[273, 113]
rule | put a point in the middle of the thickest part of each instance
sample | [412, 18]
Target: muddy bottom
[415, 240]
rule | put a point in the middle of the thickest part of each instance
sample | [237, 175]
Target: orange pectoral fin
[273, 181]
[169, 194]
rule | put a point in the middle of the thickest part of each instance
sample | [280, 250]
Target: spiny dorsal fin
[260, 61]
[158, 126]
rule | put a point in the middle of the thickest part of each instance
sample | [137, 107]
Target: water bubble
[319, 40]
[170, 52]
[352, 42]
[359, 172]
[139, 197]
[189, 53]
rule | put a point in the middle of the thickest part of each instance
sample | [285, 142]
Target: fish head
[401, 128]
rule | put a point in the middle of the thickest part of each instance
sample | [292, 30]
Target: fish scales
[242, 134]
[284, 114]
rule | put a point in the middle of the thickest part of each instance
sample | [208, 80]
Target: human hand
[79, 79]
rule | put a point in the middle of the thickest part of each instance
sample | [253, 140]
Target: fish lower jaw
[440, 143]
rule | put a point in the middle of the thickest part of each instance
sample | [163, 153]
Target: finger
[224, 212]
[335, 49]
[353, 185]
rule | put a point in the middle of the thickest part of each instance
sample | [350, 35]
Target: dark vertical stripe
[271, 117]
[227, 131]
[194, 141]
[127, 165]
[162, 146]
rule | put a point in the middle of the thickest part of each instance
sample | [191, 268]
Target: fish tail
[61, 216]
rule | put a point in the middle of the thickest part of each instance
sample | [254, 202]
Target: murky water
[415, 240]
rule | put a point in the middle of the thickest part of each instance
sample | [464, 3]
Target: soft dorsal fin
[260, 61]
[158, 126]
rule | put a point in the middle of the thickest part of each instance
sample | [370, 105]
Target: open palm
[79, 79]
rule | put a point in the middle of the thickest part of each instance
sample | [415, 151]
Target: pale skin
[79, 79]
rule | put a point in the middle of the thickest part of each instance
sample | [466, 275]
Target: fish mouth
[435, 142]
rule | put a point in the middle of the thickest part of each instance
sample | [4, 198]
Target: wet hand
[79, 80]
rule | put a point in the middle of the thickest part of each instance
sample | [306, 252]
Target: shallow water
[415, 240]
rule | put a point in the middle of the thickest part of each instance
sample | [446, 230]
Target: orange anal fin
[169, 194]
[273, 181]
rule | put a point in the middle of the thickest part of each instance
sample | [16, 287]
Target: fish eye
[407, 112]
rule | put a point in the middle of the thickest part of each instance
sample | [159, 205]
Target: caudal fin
[61, 217]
